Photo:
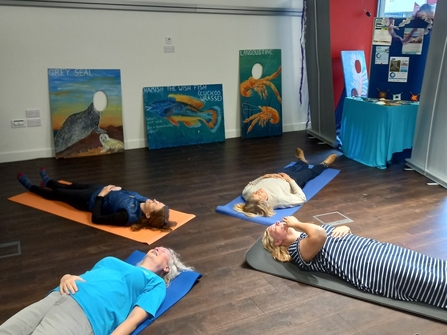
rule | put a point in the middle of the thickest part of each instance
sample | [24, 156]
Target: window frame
[381, 7]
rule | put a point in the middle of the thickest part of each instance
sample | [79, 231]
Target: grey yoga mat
[260, 259]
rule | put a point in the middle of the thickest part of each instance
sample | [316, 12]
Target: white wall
[206, 52]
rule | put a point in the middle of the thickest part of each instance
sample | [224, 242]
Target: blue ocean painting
[183, 115]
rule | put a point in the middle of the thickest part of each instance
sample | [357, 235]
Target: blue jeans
[301, 173]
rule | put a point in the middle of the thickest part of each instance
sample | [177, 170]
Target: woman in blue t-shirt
[375, 267]
[109, 205]
[114, 297]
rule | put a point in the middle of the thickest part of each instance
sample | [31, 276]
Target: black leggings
[76, 195]
[301, 173]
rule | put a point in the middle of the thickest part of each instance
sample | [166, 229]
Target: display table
[371, 133]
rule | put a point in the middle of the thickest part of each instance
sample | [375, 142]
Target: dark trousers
[76, 195]
[301, 173]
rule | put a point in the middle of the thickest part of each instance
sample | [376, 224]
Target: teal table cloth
[370, 133]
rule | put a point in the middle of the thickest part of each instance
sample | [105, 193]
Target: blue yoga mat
[311, 188]
[177, 289]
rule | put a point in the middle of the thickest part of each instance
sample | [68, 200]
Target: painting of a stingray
[183, 115]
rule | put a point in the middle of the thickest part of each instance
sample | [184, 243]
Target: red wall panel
[351, 29]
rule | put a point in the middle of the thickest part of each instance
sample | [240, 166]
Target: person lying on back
[282, 189]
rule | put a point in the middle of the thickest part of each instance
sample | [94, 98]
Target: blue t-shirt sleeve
[152, 298]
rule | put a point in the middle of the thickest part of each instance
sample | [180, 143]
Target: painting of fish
[187, 110]
[183, 115]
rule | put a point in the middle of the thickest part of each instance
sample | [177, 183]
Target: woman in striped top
[371, 266]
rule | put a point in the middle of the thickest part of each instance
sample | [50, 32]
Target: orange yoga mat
[61, 209]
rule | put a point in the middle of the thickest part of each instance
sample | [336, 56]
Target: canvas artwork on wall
[354, 70]
[86, 112]
[260, 92]
[183, 115]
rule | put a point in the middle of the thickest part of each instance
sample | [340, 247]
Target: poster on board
[183, 115]
[260, 92]
[381, 36]
[398, 70]
[86, 112]
[382, 55]
[414, 39]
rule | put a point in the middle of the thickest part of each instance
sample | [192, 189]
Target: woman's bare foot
[300, 155]
[329, 160]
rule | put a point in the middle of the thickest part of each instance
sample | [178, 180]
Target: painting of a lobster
[260, 86]
[260, 92]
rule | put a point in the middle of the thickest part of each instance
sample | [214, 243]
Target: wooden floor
[391, 205]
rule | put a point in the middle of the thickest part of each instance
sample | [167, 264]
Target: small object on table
[415, 97]
[397, 96]
[382, 94]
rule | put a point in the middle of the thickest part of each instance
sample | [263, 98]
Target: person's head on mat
[376, 267]
[109, 205]
[155, 215]
[278, 237]
[165, 262]
[282, 189]
[114, 297]
[256, 205]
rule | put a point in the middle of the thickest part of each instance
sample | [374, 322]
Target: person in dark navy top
[109, 205]
[376, 267]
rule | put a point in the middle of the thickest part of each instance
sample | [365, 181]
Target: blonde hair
[253, 208]
[279, 252]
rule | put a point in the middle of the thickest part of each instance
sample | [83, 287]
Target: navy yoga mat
[177, 289]
[260, 259]
[311, 188]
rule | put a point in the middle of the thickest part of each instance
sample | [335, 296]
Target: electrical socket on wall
[169, 49]
[18, 123]
[33, 123]
[30, 113]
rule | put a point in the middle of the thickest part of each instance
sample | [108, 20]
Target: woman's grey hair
[175, 267]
